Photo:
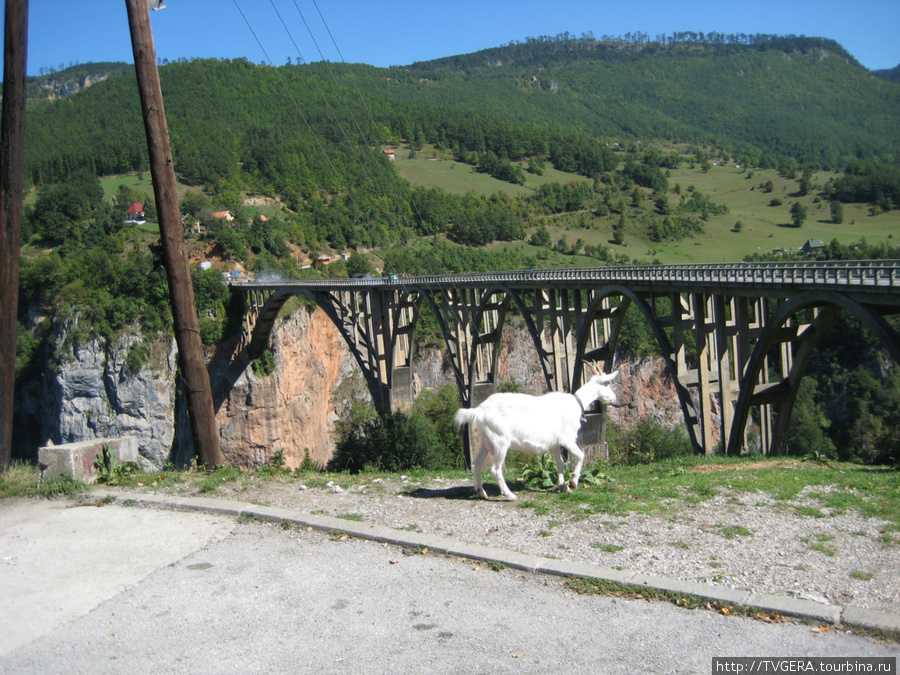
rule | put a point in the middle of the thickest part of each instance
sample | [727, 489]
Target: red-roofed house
[224, 215]
[135, 213]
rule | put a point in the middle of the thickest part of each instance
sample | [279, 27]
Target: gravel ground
[740, 540]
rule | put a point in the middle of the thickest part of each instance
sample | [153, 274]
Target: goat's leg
[497, 472]
[560, 471]
[478, 463]
[578, 454]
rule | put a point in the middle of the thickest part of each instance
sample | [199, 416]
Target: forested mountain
[755, 95]
[892, 74]
[766, 98]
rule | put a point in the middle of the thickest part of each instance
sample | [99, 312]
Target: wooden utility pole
[181, 292]
[12, 188]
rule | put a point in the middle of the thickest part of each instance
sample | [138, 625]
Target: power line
[339, 91]
[297, 107]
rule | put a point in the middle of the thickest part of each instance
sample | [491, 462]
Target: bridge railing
[856, 273]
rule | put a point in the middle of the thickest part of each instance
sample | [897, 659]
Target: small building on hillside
[192, 225]
[390, 154]
[813, 246]
[224, 215]
[135, 213]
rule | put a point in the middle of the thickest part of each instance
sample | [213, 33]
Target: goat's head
[598, 386]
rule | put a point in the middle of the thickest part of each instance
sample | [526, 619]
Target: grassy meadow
[763, 227]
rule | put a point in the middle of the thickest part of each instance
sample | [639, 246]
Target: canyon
[88, 391]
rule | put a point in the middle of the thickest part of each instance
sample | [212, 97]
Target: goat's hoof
[481, 494]
[573, 484]
[509, 498]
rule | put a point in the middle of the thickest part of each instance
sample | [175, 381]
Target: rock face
[291, 409]
[93, 394]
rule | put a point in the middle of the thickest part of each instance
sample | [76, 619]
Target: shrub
[648, 442]
[264, 365]
[395, 442]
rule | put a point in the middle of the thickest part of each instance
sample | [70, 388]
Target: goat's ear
[609, 378]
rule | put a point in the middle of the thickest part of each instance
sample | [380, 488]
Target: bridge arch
[779, 333]
[600, 308]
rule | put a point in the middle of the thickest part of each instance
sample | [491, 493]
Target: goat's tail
[464, 416]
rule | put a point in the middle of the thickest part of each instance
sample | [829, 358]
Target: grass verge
[811, 490]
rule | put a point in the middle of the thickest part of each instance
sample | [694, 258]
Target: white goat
[535, 424]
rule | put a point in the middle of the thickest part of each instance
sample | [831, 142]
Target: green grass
[608, 548]
[659, 488]
[141, 182]
[19, 480]
[732, 531]
[215, 479]
[452, 176]
[825, 549]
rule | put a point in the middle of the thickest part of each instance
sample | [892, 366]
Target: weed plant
[62, 486]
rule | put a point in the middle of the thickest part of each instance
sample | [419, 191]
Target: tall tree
[798, 214]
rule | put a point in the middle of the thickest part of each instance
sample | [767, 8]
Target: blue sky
[399, 32]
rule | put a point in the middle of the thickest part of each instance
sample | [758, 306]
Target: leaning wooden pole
[12, 188]
[181, 292]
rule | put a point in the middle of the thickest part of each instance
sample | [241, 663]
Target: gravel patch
[740, 540]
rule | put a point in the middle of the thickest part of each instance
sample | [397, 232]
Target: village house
[135, 213]
[813, 246]
[192, 225]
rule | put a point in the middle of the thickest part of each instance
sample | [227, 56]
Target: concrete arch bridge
[737, 335]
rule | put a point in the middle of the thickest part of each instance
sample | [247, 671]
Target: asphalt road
[124, 589]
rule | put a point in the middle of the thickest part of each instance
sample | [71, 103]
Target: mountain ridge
[778, 100]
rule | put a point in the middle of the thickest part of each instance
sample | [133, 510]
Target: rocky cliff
[91, 393]
[88, 392]
[293, 408]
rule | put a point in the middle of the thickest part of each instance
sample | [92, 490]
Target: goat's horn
[594, 369]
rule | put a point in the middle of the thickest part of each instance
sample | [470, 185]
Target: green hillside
[638, 150]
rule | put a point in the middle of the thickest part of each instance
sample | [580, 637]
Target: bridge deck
[879, 277]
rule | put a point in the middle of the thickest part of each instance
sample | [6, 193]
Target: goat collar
[580, 405]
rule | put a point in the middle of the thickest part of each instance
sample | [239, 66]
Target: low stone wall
[76, 460]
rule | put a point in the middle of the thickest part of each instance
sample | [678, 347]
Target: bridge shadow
[228, 361]
[226, 366]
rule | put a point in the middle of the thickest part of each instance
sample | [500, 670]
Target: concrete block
[76, 460]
